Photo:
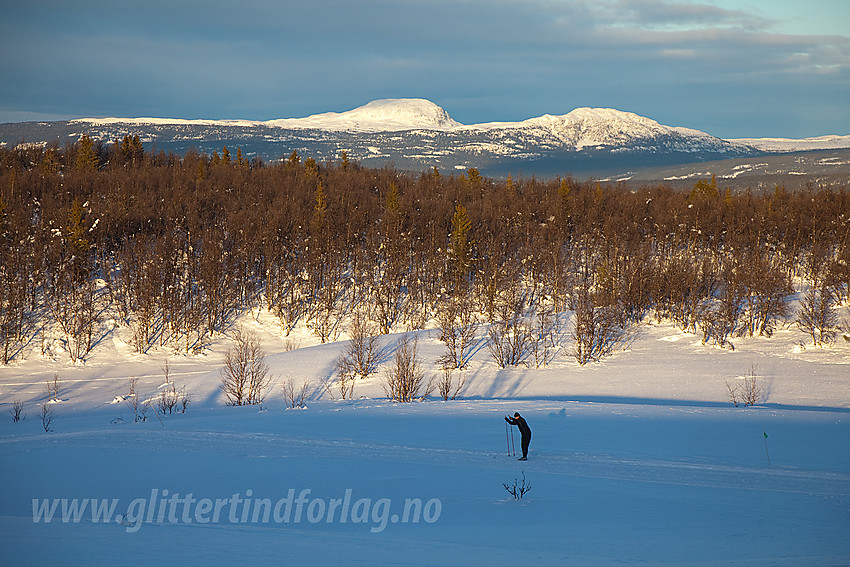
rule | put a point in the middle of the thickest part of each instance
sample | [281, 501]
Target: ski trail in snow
[583, 465]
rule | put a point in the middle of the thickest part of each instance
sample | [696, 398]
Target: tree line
[175, 247]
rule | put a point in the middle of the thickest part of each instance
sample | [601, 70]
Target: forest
[175, 247]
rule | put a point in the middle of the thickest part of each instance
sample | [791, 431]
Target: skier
[524, 430]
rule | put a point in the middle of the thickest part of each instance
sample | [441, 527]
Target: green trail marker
[765, 447]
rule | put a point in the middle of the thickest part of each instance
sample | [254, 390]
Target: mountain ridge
[417, 134]
[579, 127]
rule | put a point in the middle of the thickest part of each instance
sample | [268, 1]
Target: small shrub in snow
[17, 411]
[544, 337]
[134, 401]
[245, 377]
[817, 316]
[295, 397]
[716, 326]
[447, 387]
[345, 384]
[405, 380]
[185, 398]
[46, 417]
[457, 330]
[168, 399]
[53, 387]
[747, 391]
[519, 488]
[509, 341]
[360, 356]
[595, 329]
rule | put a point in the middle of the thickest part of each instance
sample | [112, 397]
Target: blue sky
[733, 69]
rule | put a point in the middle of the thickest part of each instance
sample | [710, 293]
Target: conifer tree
[474, 177]
[50, 164]
[391, 202]
[311, 167]
[130, 150]
[77, 242]
[460, 245]
[564, 190]
[86, 157]
[320, 209]
[704, 189]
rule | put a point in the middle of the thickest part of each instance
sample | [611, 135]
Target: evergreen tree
[704, 189]
[460, 245]
[320, 210]
[77, 242]
[87, 159]
[391, 202]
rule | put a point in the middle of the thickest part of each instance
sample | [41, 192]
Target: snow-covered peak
[591, 127]
[626, 120]
[578, 129]
[383, 115]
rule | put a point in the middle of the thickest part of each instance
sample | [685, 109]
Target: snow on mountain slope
[384, 115]
[149, 121]
[792, 145]
[594, 127]
[583, 127]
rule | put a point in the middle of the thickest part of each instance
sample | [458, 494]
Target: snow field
[640, 459]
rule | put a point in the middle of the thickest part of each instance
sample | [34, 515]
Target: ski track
[584, 465]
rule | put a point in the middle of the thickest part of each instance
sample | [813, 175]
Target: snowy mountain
[582, 128]
[601, 127]
[387, 115]
[416, 134]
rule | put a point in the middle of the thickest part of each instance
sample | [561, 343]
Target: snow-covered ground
[796, 145]
[638, 459]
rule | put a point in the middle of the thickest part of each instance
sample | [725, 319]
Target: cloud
[678, 53]
[653, 14]
[683, 62]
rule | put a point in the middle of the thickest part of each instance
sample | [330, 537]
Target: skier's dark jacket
[524, 429]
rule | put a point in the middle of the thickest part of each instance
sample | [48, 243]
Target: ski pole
[513, 447]
[506, 439]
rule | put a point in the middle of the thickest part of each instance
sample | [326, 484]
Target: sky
[749, 68]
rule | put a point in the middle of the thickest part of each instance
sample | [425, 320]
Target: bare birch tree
[245, 376]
